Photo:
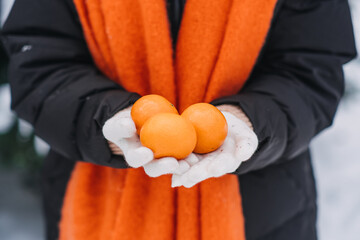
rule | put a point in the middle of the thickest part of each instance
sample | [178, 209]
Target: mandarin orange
[168, 135]
[210, 125]
[148, 106]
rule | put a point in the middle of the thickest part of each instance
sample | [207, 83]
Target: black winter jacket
[291, 96]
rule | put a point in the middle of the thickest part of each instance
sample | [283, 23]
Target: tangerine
[148, 106]
[168, 135]
[210, 125]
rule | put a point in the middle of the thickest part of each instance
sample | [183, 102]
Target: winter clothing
[209, 63]
[291, 95]
[121, 131]
[239, 145]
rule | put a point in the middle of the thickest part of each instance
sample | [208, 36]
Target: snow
[41, 147]
[7, 117]
[25, 129]
[5, 9]
[335, 156]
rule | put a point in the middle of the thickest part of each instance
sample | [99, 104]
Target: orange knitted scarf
[130, 41]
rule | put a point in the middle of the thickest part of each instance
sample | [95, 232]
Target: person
[291, 95]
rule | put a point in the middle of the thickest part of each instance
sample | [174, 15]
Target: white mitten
[239, 145]
[121, 130]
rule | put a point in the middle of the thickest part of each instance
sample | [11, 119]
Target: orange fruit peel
[210, 125]
[168, 135]
[148, 106]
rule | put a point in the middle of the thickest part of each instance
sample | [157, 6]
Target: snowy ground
[336, 162]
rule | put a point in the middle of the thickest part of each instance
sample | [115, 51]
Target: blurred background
[336, 158]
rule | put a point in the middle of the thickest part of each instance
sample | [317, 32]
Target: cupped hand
[239, 145]
[120, 130]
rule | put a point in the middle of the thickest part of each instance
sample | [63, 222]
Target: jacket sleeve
[297, 83]
[54, 83]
